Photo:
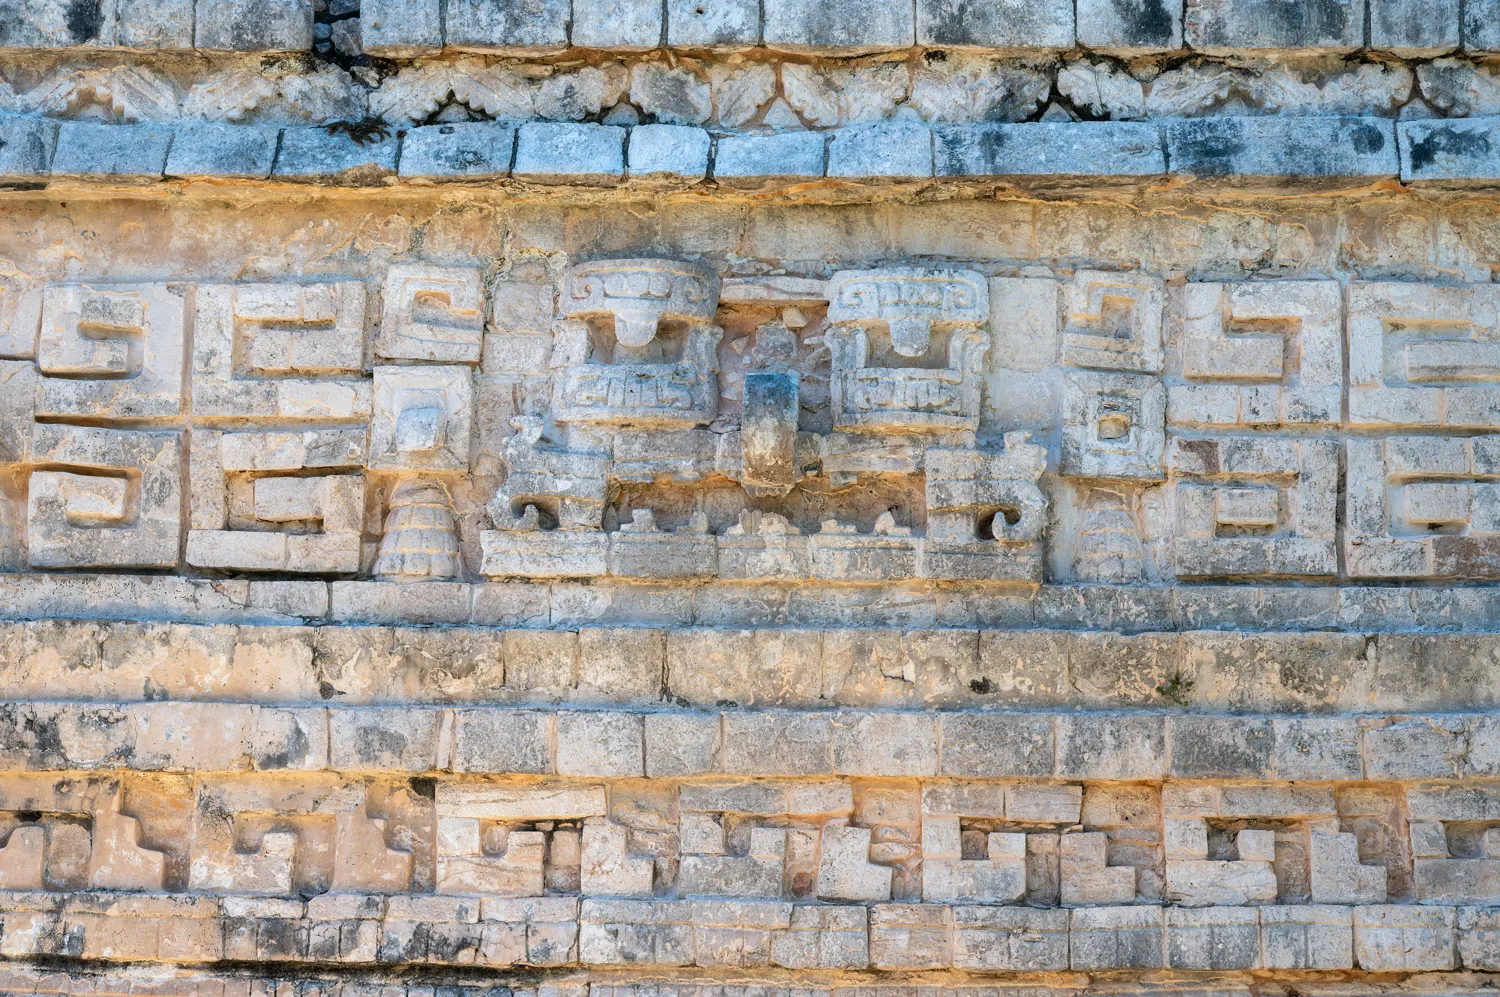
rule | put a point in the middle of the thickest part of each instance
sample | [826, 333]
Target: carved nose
[910, 337]
[635, 326]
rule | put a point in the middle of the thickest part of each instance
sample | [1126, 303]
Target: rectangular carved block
[1424, 355]
[1421, 506]
[111, 351]
[1254, 506]
[1263, 355]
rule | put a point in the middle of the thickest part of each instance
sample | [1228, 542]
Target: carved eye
[1114, 427]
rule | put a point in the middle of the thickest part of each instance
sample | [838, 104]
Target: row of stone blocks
[415, 27]
[226, 737]
[741, 934]
[1124, 609]
[1442, 151]
[1285, 673]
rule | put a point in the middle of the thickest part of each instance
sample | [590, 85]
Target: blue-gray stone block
[214, 149]
[894, 150]
[1415, 28]
[1070, 149]
[532, 26]
[548, 152]
[122, 152]
[674, 150]
[990, 24]
[1221, 27]
[318, 155]
[26, 146]
[472, 150]
[794, 155]
[1360, 148]
[1130, 27]
[842, 25]
[1456, 149]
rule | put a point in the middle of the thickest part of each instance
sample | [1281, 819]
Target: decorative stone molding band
[407, 27]
[743, 744]
[497, 932]
[1126, 609]
[1318, 673]
[1349, 150]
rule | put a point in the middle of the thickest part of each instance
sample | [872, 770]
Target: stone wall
[770, 500]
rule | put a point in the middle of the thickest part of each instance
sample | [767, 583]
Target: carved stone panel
[1247, 506]
[1424, 355]
[1422, 506]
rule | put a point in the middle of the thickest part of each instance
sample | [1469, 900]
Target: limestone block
[120, 153]
[1481, 27]
[553, 554]
[1214, 938]
[624, 25]
[846, 873]
[991, 746]
[1414, 30]
[23, 860]
[1225, 491]
[1203, 883]
[756, 743]
[521, 28]
[911, 936]
[514, 865]
[220, 150]
[280, 353]
[432, 313]
[1477, 938]
[124, 511]
[796, 26]
[823, 938]
[471, 150]
[737, 932]
[510, 742]
[401, 29]
[334, 502]
[1307, 937]
[254, 25]
[640, 550]
[720, 24]
[1010, 939]
[1110, 747]
[1052, 149]
[1113, 425]
[1403, 938]
[1006, 24]
[886, 150]
[28, 145]
[681, 745]
[609, 868]
[569, 153]
[635, 932]
[1086, 876]
[1456, 880]
[1336, 874]
[1130, 29]
[1221, 27]
[1111, 321]
[117, 860]
[421, 418]
[111, 351]
[1421, 507]
[1431, 380]
[758, 873]
[1108, 938]
[1271, 147]
[948, 878]
[1256, 355]
[668, 150]
[53, 24]
[599, 744]
[745, 159]
[320, 156]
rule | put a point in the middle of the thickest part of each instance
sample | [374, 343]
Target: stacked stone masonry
[749, 499]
